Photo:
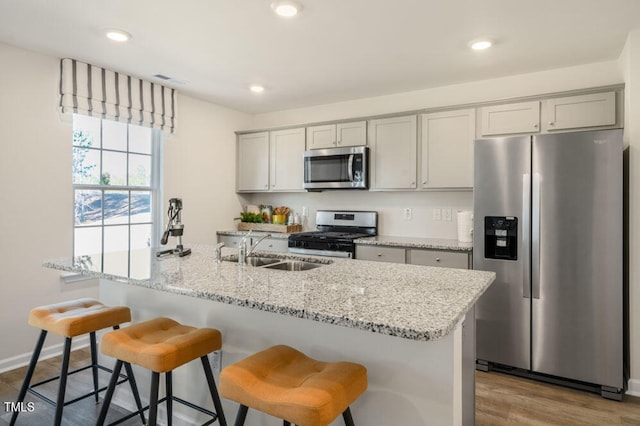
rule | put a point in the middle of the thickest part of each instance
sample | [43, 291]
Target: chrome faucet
[253, 247]
[219, 252]
[242, 248]
[243, 253]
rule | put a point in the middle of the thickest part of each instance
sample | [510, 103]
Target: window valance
[98, 92]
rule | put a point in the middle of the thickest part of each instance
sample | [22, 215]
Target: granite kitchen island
[411, 326]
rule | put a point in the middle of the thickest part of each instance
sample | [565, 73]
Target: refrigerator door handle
[535, 237]
[526, 213]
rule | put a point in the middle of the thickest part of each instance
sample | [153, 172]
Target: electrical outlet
[305, 211]
[407, 214]
[215, 359]
[437, 214]
[446, 214]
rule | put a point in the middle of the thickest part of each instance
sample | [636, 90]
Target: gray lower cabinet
[381, 254]
[268, 244]
[425, 257]
[446, 259]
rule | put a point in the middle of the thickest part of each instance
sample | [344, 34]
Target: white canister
[465, 226]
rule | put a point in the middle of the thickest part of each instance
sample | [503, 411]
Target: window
[116, 175]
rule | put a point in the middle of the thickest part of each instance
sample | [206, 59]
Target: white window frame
[155, 188]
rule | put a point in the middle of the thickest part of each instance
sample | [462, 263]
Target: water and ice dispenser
[501, 237]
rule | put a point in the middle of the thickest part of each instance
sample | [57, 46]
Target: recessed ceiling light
[480, 44]
[256, 88]
[286, 8]
[117, 35]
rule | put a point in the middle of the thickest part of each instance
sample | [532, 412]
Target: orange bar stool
[287, 384]
[161, 345]
[71, 319]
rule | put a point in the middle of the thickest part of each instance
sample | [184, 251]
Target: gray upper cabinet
[337, 135]
[522, 117]
[596, 110]
[393, 142]
[252, 158]
[584, 111]
[286, 152]
[270, 161]
[446, 145]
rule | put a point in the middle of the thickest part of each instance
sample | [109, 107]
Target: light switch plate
[437, 214]
[446, 214]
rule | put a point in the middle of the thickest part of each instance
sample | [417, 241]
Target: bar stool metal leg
[348, 419]
[94, 363]
[134, 390]
[213, 390]
[169, 391]
[107, 397]
[153, 399]
[63, 380]
[242, 415]
[30, 370]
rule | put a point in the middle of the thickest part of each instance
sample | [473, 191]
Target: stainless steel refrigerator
[548, 219]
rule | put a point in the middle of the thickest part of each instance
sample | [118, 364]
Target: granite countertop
[411, 242]
[409, 301]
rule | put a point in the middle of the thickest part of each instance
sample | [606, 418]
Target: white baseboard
[18, 361]
[633, 387]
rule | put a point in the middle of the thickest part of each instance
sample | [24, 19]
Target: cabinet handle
[535, 126]
[266, 186]
[413, 183]
[551, 123]
[437, 259]
[424, 183]
[379, 254]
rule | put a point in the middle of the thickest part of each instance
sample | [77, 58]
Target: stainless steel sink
[279, 263]
[293, 265]
[261, 261]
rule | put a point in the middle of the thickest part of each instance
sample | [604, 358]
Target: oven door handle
[350, 167]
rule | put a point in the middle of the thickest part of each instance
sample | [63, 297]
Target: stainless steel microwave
[336, 168]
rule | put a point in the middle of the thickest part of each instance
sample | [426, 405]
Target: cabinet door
[447, 149]
[321, 136]
[573, 112]
[444, 259]
[287, 150]
[523, 117]
[351, 134]
[380, 254]
[393, 143]
[231, 240]
[253, 162]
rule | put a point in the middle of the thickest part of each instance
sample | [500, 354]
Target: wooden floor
[507, 400]
[500, 400]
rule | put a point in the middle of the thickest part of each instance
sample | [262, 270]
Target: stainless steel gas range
[336, 233]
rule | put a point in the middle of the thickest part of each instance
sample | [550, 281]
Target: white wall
[539, 83]
[199, 167]
[36, 211]
[389, 206]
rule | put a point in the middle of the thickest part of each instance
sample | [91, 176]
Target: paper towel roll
[465, 226]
